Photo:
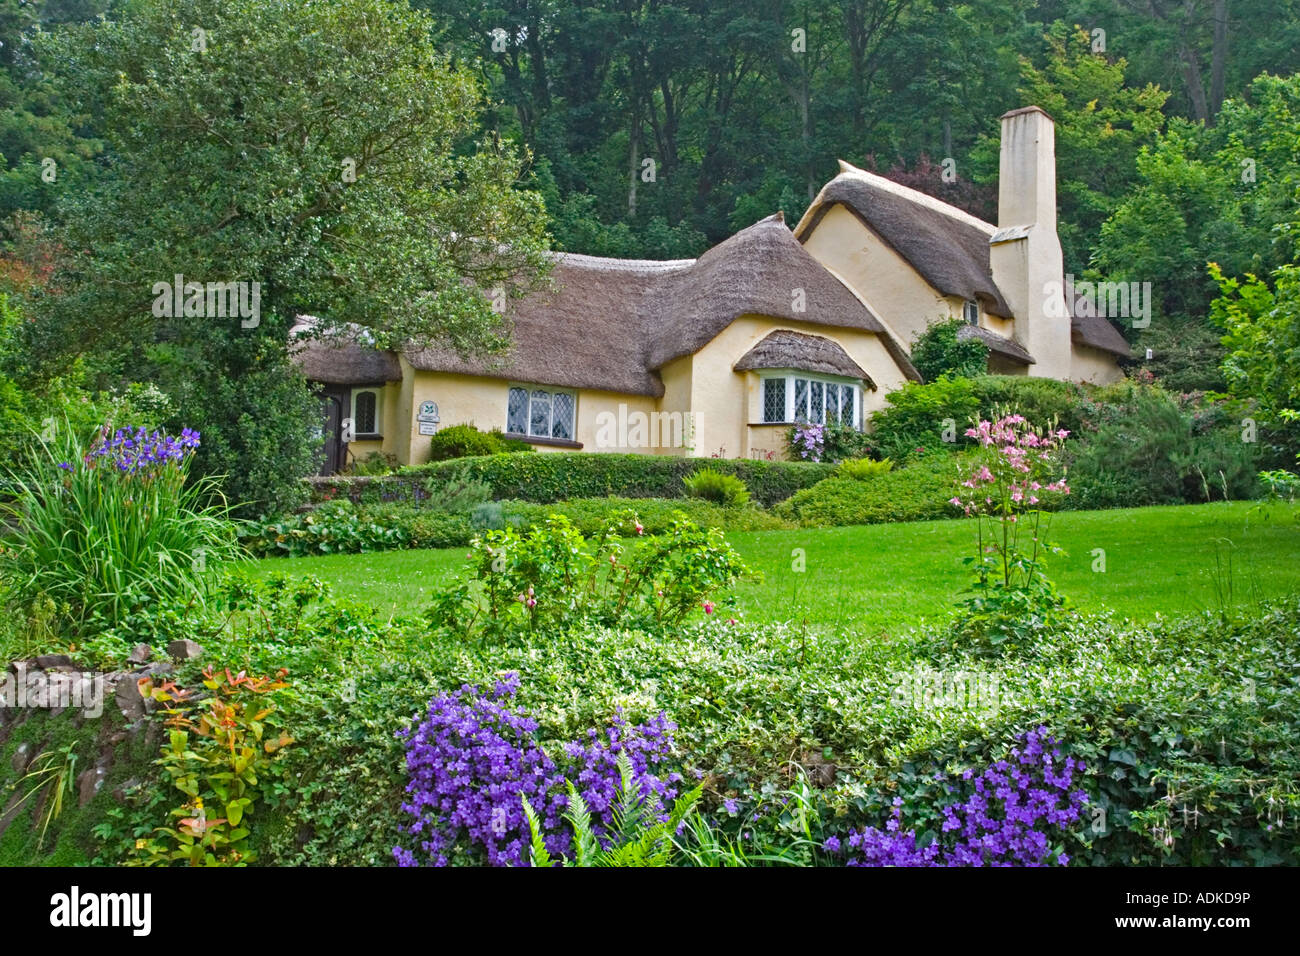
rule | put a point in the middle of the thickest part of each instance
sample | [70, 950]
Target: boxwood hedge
[918, 492]
[554, 477]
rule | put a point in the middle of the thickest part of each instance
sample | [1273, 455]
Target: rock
[123, 790]
[21, 756]
[139, 654]
[47, 661]
[185, 650]
[88, 783]
[129, 700]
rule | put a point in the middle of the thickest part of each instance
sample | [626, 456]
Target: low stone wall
[105, 704]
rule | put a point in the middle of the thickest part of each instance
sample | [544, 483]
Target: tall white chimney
[1025, 252]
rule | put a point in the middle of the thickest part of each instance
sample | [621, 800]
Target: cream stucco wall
[883, 279]
[707, 407]
[728, 405]
[482, 402]
[1093, 365]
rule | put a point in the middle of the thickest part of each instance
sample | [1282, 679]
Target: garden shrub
[917, 492]
[221, 754]
[1149, 451]
[924, 418]
[864, 469]
[375, 463]
[334, 528]
[340, 528]
[937, 352]
[935, 415]
[562, 476]
[726, 490]
[551, 577]
[466, 441]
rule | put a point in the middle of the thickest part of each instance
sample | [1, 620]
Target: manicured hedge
[918, 492]
[564, 475]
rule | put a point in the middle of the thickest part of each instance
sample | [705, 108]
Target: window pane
[562, 415]
[517, 412]
[846, 406]
[832, 404]
[818, 411]
[773, 399]
[540, 420]
[801, 399]
[364, 419]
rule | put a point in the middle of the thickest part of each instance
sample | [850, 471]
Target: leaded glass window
[774, 400]
[817, 413]
[365, 413]
[539, 413]
[517, 412]
[562, 415]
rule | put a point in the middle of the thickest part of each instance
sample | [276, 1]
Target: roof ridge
[916, 196]
[612, 263]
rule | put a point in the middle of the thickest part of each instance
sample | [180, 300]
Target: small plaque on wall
[428, 428]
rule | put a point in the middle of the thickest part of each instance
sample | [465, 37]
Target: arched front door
[333, 453]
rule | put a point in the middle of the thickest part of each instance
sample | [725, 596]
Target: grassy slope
[880, 578]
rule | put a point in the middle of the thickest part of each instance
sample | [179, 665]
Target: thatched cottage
[718, 355]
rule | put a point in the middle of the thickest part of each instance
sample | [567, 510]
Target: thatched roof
[588, 330]
[1094, 330]
[785, 348]
[947, 246]
[762, 270]
[612, 324]
[342, 359]
[1008, 348]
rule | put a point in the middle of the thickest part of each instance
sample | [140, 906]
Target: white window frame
[528, 390]
[379, 412]
[791, 413]
[970, 311]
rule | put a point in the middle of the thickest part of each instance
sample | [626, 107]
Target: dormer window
[971, 312]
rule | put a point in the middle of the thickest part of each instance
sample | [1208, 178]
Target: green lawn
[881, 578]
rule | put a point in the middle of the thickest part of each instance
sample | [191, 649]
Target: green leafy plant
[53, 773]
[551, 576]
[938, 351]
[560, 476]
[637, 838]
[375, 463]
[1012, 602]
[466, 441]
[864, 469]
[102, 532]
[726, 490]
[220, 755]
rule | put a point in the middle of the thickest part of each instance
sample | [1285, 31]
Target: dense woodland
[639, 128]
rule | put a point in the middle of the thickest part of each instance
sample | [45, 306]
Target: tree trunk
[1219, 61]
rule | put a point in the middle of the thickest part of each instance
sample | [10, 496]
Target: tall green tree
[1206, 194]
[325, 152]
[1102, 122]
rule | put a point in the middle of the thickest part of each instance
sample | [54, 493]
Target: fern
[636, 840]
[540, 856]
